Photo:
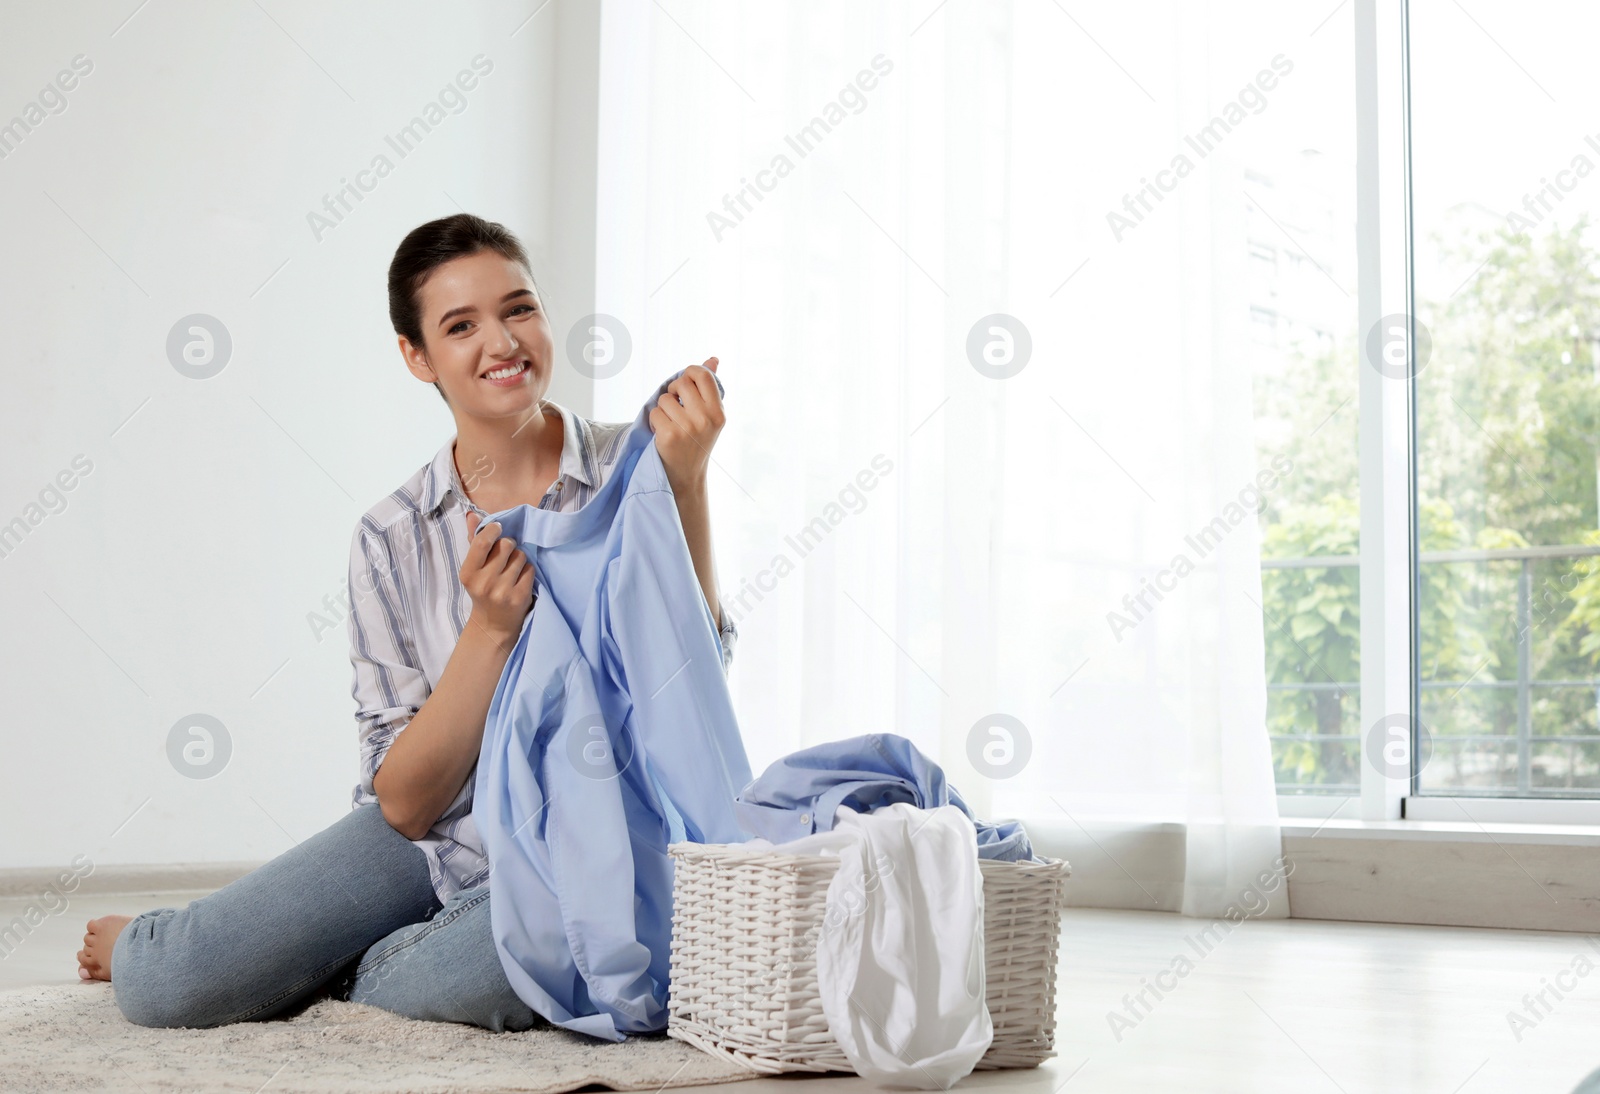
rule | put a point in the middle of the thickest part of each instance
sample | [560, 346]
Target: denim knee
[157, 991]
[444, 970]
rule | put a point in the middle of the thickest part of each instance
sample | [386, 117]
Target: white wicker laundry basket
[744, 970]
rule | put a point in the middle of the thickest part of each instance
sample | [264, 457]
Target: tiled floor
[1273, 1006]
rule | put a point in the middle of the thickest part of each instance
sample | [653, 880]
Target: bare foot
[94, 960]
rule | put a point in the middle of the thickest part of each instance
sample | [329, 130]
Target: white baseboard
[23, 883]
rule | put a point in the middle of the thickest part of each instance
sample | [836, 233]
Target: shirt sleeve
[387, 683]
[729, 635]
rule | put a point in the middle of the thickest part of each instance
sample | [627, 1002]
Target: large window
[1505, 405]
[1506, 413]
[1504, 157]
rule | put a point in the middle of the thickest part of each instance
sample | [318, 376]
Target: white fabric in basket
[900, 953]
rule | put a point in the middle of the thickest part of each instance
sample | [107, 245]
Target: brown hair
[429, 246]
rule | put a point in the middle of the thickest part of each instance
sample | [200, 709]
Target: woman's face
[482, 318]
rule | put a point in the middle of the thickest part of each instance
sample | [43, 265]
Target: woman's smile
[509, 375]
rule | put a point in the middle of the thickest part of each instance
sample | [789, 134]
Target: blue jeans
[349, 913]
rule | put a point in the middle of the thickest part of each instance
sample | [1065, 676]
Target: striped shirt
[408, 609]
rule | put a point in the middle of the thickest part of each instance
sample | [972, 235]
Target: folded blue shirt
[610, 735]
[800, 793]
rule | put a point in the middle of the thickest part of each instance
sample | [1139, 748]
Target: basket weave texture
[744, 969]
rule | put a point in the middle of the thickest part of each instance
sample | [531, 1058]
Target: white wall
[177, 574]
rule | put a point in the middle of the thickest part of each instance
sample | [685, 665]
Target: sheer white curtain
[912, 545]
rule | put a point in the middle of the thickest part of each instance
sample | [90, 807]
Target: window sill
[1583, 835]
[1471, 811]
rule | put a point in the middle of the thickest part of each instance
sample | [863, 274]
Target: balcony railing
[1524, 684]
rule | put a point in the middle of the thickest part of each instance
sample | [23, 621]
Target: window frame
[1384, 251]
[1391, 679]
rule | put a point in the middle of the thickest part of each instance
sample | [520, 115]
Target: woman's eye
[523, 307]
[457, 327]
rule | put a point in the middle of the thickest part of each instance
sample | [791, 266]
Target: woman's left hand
[686, 431]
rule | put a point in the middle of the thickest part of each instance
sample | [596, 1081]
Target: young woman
[390, 904]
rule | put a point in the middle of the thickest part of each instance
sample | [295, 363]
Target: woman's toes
[94, 960]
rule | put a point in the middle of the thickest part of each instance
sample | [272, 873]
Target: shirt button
[805, 818]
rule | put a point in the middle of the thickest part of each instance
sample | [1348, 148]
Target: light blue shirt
[407, 609]
[610, 735]
[800, 793]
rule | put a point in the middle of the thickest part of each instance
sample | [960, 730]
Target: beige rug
[73, 1037]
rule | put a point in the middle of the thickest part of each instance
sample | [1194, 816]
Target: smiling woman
[439, 597]
[486, 251]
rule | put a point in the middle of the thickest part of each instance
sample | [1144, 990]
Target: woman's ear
[417, 361]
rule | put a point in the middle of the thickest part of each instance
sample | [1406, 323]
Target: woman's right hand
[498, 577]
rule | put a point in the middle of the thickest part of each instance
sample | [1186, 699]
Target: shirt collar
[578, 461]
